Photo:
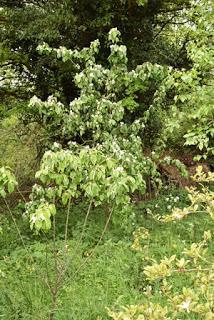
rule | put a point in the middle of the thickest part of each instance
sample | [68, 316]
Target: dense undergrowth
[112, 277]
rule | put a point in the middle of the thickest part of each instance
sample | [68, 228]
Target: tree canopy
[74, 24]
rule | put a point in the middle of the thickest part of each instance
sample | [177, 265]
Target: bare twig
[66, 223]
[99, 241]
[16, 226]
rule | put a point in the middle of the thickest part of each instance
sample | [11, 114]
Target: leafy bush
[192, 113]
[112, 101]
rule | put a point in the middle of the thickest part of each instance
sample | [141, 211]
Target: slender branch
[99, 241]
[175, 9]
[67, 263]
[21, 194]
[47, 280]
[192, 270]
[16, 226]
[55, 288]
[162, 27]
[66, 223]
[85, 221]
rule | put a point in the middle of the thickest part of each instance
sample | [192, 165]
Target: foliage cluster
[192, 113]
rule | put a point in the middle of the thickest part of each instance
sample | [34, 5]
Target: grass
[111, 278]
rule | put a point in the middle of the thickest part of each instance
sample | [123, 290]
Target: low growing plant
[193, 265]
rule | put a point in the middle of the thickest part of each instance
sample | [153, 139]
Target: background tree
[25, 24]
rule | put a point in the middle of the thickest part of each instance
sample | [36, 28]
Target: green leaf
[65, 198]
[3, 193]
[10, 187]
